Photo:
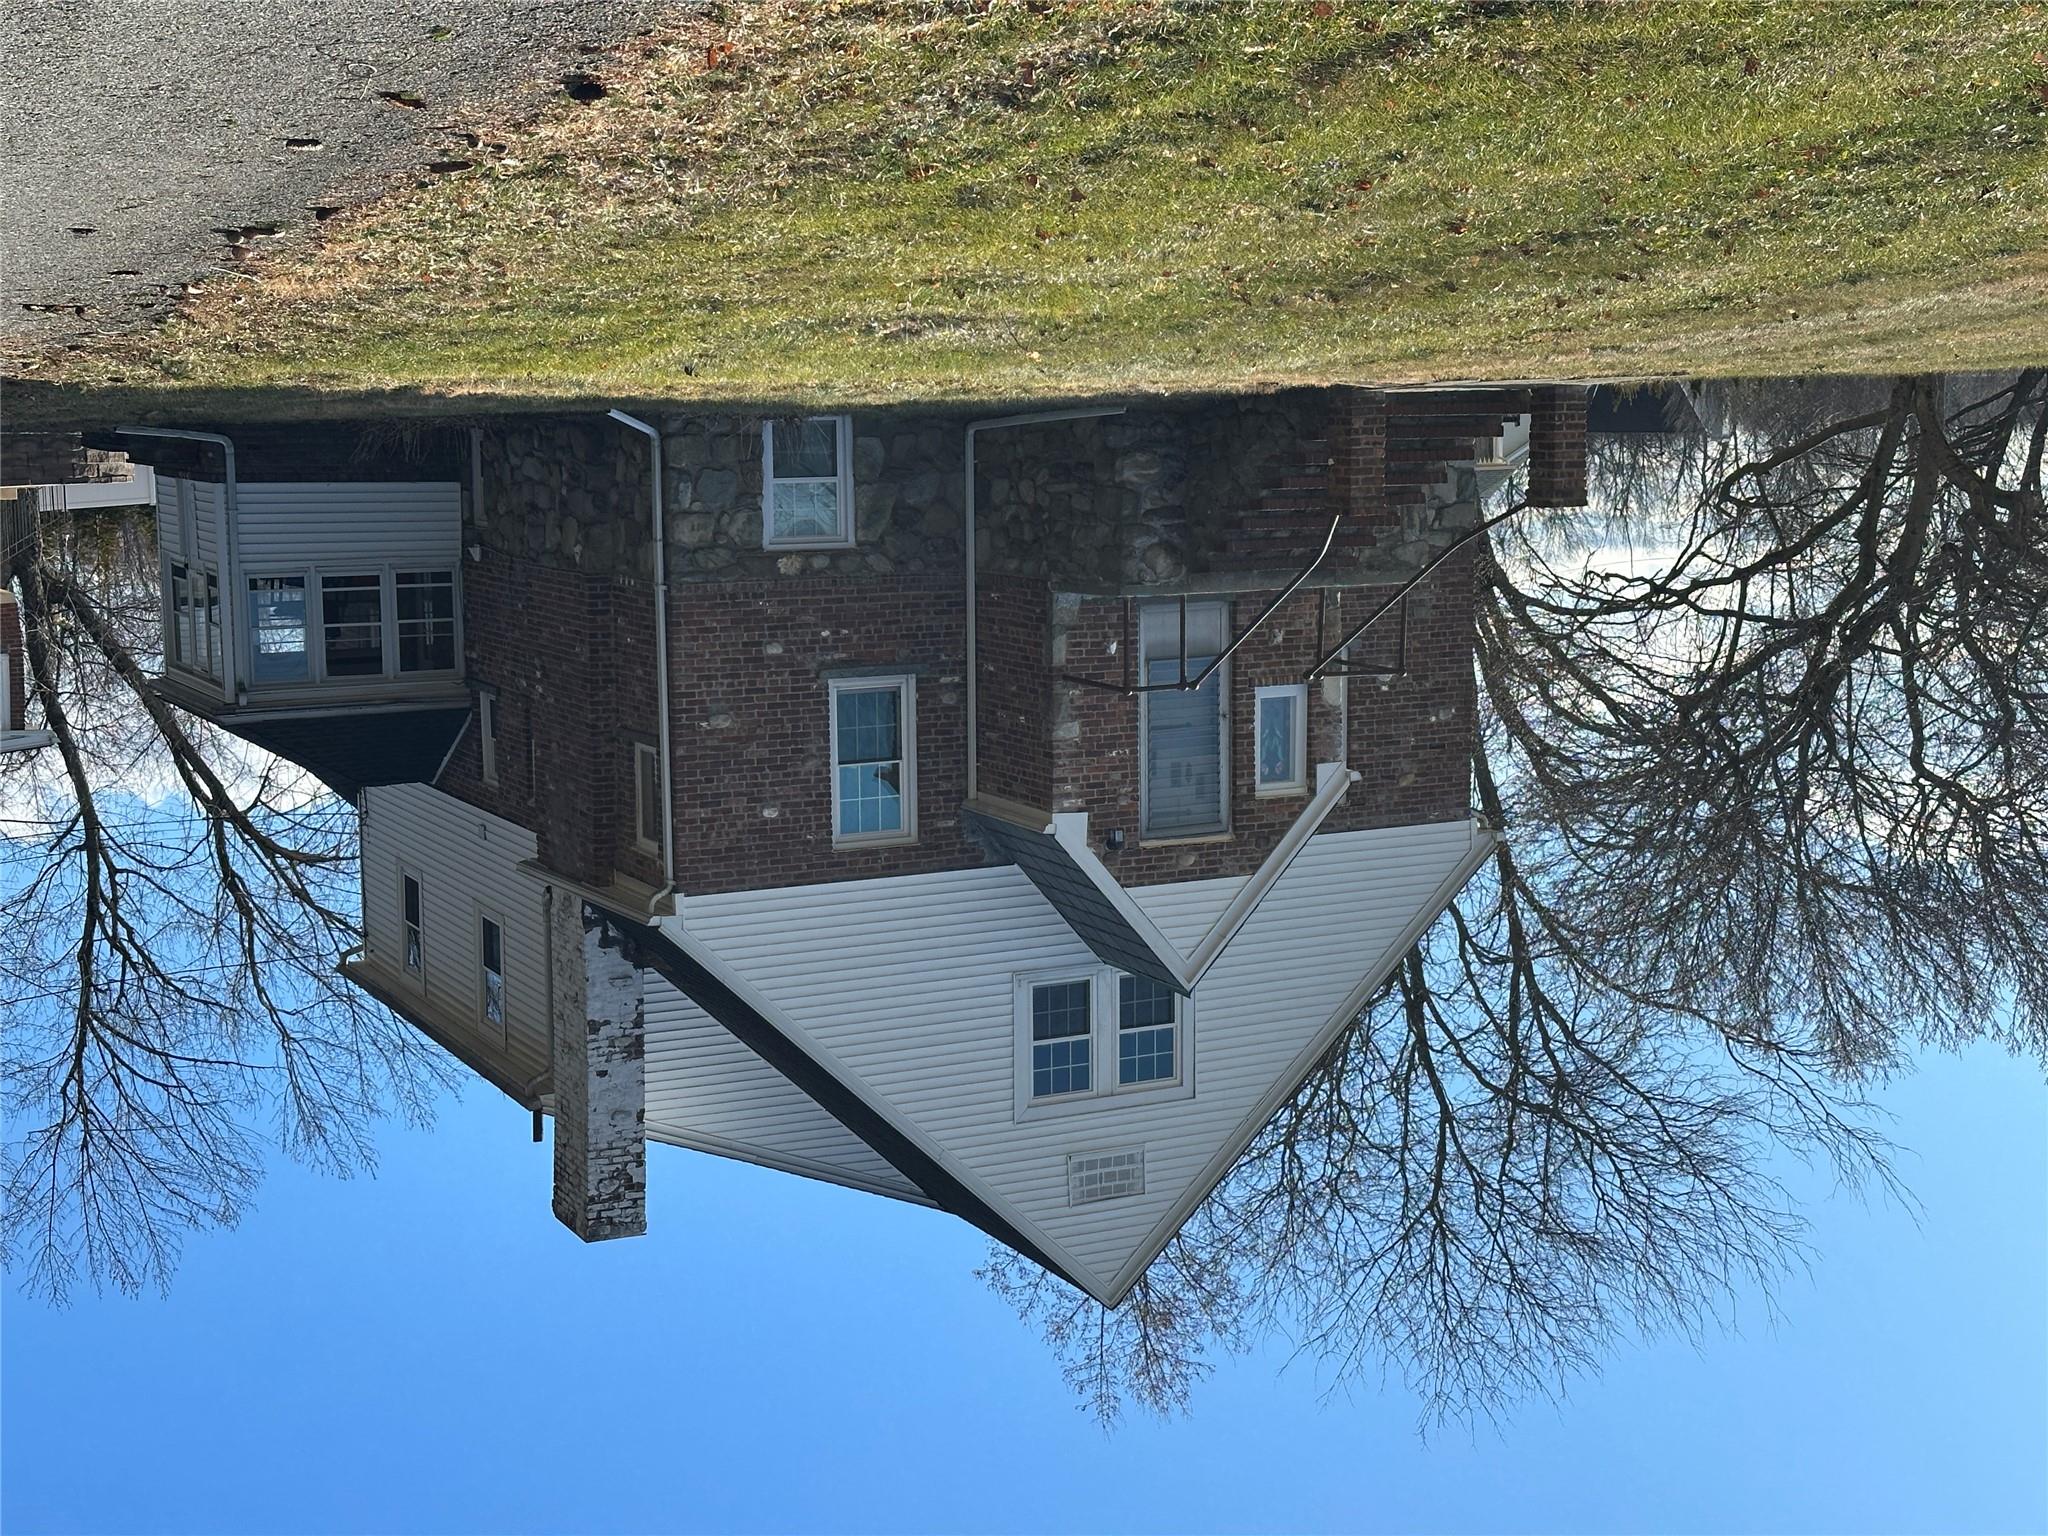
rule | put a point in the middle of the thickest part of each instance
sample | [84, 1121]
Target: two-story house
[996, 814]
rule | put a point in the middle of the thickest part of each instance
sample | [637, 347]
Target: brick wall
[753, 663]
[570, 657]
[1357, 434]
[14, 707]
[1014, 697]
[1557, 447]
[1410, 737]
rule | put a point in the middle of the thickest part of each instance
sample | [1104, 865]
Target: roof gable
[891, 1001]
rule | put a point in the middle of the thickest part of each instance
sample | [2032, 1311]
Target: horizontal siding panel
[705, 1088]
[466, 861]
[332, 523]
[908, 982]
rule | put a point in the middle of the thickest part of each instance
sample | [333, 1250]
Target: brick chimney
[1557, 446]
[600, 1034]
[1358, 454]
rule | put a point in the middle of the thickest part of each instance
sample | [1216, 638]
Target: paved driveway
[134, 133]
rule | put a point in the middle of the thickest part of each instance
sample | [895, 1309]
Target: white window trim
[316, 624]
[1104, 1090]
[845, 537]
[1225, 779]
[906, 684]
[487, 733]
[1298, 785]
[407, 872]
[483, 1019]
[644, 813]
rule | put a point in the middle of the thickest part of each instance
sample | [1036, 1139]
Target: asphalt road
[142, 140]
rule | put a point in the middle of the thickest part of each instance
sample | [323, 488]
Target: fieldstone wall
[907, 499]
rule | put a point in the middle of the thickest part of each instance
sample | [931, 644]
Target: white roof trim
[1288, 1083]
[1333, 780]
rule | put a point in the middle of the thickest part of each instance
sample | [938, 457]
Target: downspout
[230, 540]
[655, 509]
[987, 424]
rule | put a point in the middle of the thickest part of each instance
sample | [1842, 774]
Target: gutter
[229, 538]
[656, 508]
[989, 424]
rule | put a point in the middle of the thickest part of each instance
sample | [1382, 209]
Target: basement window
[491, 971]
[807, 483]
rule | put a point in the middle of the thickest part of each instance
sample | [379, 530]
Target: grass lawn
[865, 202]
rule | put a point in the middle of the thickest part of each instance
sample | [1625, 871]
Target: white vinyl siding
[909, 984]
[466, 861]
[707, 1091]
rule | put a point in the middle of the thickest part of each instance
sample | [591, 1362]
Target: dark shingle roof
[350, 752]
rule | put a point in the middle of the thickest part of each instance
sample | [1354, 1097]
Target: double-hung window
[352, 625]
[277, 629]
[1062, 1038]
[491, 972]
[1147, 1020]
[1184, 737]
[646, 797]
[426, 621]
[409, 890]
[1280, 739]
[181, 617]
[874, 760]
[807, 482]
[1096, 1034]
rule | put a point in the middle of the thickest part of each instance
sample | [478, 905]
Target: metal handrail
[1186, 683]
[1400, 597]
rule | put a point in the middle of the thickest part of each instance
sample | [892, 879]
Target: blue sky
[430, 1351]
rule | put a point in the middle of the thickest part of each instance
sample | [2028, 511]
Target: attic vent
[1093, 1176]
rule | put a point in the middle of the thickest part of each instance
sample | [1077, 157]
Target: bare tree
[1777, 811]
[176, 912]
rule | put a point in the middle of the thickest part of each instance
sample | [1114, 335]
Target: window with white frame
[181, 617]
[1184, 737]
[277, 629]
[352, 625]
[1097, 1034]
[426, 621]
[1280, 739]
[1147, 1022]
[491, 971]
[646, 797]
[807, 482]
[1062, 1015]
[874, 760]
[487, 733]
[415, 927]
[193, 642]
[368, 624]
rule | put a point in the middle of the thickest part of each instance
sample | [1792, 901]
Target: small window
[491, 953]
[277, 629]
[807, 482]
[426, 621]
[352, 622]
[874, 771]
[413, 929]
[1281, 730]
[487, 733]
[647, 797]
[1146, 1024]
[214, 659]
[1062, 1029]
[181, 617]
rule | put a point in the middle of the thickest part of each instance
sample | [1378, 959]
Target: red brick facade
[1014, 688]
[570, 659]
[752, 666]
[1557, 447]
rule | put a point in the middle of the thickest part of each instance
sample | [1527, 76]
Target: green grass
[866, 203]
